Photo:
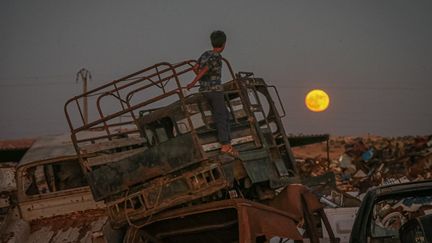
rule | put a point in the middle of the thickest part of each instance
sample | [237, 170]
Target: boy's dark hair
[218, 38]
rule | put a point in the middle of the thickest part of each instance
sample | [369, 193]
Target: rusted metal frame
[197, 229]
[287, 144]
[243, 225]
[105, 125]
[153, 83]
[327, 225]
[182, 102]
[282, 132]
[73, 135]
[147, 103]
[279, 99]
[240, 205]
[118, 94]
[51, 180]
[108, 85]
[142, 70]
[113, 125]
[109, 117]
[137, 214]
[129, 95]
[245, 101]
[91, 92]
[92, 139]
[310, 222]
[277, 119]
[143, 78]
[162, 84]
[188, 116]
[229, 68]
[169, 68]
[139, 79]
[251, 118]
[118, 97]
[79, 109]
[262, 110]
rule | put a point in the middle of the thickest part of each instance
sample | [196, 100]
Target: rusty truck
[149, 151]
[44, 191]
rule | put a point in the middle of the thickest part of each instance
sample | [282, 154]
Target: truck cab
[50, 191]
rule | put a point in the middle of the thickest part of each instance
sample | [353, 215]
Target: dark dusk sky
[374, 58]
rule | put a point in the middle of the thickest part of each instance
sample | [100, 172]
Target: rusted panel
[87, 226]
[214, 221]
[44, 206]
[290, 200]
[270, 224]
[113, 144]
[163, 193]
[7, 177]
[49, 147]
[108, 158]
[117, 177]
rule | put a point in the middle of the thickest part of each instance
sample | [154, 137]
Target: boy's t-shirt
[213, 60]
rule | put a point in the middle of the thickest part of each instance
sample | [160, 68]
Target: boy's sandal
[231, 152]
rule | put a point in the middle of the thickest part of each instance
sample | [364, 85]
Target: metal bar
[118, 93]
[90, 93]
[81, 114]
[262, 111]
[103, 137]
[186, 112]
[280, 101]
[109, 117]
[229, 67]
[310, 222]
[327, 225]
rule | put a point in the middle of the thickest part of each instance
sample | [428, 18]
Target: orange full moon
[317, 100]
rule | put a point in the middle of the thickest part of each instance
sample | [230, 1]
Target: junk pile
[360, 163]
[390, 215]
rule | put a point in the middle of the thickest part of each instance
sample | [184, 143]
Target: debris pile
[390, 215]
[360, 163]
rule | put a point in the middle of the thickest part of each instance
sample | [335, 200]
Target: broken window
[54, 177]
[159, 131]
[390, 214]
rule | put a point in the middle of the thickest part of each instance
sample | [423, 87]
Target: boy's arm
[198, 77]
[195, 68]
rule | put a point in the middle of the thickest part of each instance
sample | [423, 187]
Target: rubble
[359, 163]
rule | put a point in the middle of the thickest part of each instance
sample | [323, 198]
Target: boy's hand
[190, 86]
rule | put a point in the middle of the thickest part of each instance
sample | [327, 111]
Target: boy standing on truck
[209, 73]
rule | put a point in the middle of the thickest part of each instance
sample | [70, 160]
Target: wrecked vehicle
[384, 210]
[153, 147]
[417, 230]
[49, 189]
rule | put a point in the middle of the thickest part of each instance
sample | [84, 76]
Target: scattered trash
[361, 163]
